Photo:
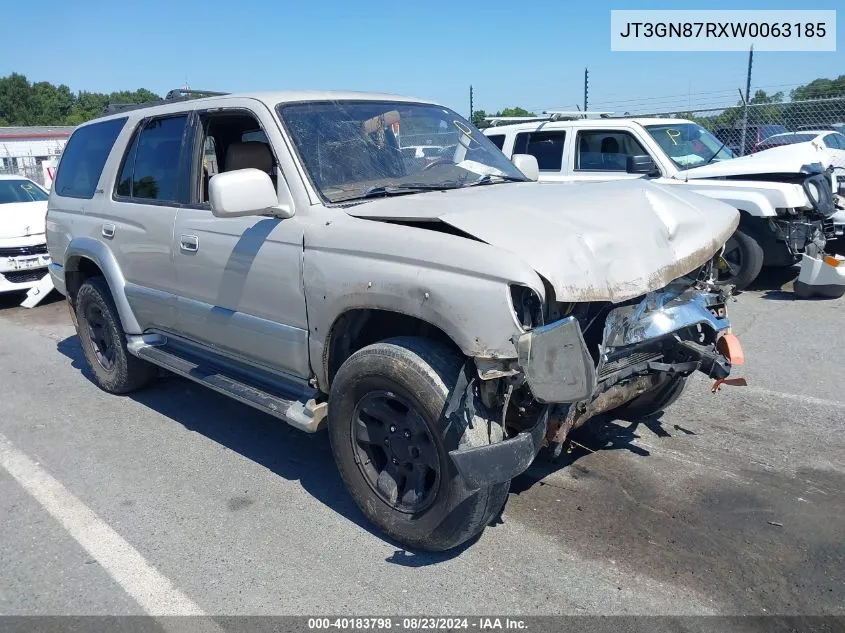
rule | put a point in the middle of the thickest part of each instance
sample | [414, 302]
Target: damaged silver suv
[441, 314]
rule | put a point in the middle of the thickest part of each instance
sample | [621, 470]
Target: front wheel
[391, 442]
[741, 261]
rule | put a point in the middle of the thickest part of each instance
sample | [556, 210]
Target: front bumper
[501, 462]
[822, 276]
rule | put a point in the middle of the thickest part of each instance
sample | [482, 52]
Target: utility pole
[745, 104]
[586, 87]
[471, 111]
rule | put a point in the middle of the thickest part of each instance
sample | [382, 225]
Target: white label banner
[722, 30]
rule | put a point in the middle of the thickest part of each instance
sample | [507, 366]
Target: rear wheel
[391, 441]
[654, 401]
[104, 342]
[741, 261]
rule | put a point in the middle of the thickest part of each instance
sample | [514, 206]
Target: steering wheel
[438, 161]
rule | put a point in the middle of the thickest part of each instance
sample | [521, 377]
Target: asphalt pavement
[179, 500]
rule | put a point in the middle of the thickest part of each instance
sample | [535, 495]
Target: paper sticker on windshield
[673, 134]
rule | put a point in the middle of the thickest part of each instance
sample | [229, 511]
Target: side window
[605, 150]
[84, 158]
[834, 141]
[547, 148]
[231, 140]
[156, 175]
[498, 140]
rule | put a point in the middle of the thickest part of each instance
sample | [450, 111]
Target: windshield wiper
[383, 191]
[709, 160]
[486, 179]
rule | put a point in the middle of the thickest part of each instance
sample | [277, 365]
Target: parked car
[833, 141]
[23, 248]
[732, 136]
[443, 321]
[780, 220]
[833, 127]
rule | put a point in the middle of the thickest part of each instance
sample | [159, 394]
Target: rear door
[151, 184]
[547, 146]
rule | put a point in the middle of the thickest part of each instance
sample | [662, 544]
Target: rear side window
[546, 147]
[152, 168]
[84, 157]
[497, 139]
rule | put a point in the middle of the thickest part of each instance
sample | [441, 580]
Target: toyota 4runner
[442, 315]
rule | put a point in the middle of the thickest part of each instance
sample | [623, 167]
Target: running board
[304, 414]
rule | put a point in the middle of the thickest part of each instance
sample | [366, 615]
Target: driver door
[240, 279]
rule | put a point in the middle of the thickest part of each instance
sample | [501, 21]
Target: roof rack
[548, 115]
[176, 95]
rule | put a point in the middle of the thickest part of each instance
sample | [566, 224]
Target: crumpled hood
[789, 159]
[22, 219]
[592, 242]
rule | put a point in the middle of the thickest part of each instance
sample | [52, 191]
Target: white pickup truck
[785, 195]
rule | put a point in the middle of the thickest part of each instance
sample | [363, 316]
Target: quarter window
[546, 147]
[84, 158]
[600, 150]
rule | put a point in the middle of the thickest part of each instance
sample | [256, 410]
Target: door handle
[108, 230]
[189, 243]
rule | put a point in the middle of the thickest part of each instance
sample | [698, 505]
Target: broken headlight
[527, 305]
[819, 190]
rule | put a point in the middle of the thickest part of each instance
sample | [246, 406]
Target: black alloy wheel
[395, 451]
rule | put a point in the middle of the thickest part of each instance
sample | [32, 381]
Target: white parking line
[817, 402]
[143, 582]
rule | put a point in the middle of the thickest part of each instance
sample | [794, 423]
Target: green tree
[478, 119]
[515, 111]
[16, 100]
[42, 103]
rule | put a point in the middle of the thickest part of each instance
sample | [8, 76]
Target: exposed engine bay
[643, 346]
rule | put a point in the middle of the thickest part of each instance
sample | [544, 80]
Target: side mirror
[641, 165]
[527, 164]
[246, 192]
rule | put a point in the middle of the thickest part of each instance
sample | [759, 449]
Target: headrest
[252, 154]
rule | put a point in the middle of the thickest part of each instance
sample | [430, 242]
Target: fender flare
[94, 250]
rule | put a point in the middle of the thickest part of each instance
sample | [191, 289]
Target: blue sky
[431, 49]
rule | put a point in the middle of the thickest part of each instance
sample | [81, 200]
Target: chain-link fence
[33, 172]
[756, 122]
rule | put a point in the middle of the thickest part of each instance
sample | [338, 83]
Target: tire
[104, 342]
[742, 261]
[654, 401]
[423, 503]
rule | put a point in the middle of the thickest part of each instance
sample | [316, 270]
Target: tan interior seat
[250, 154]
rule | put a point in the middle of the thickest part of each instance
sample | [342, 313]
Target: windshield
[689, 145]
[360, 149]
[20, 191]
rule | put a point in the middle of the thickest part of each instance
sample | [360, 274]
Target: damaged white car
[23, 248]
[443, 318]
[784, 197]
